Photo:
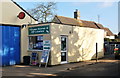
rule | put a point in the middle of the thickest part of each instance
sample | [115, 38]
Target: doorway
[64, 46]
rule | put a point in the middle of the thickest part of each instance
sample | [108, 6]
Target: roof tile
[82, 23]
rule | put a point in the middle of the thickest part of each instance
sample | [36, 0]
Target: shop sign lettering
[39, 30]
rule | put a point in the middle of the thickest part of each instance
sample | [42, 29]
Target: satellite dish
[21, 15]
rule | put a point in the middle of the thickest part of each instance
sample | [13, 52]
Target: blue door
[10, 45]
[0, 45]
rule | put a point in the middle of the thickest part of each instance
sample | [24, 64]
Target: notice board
[46, 45]
[45, 52]
[45, 56]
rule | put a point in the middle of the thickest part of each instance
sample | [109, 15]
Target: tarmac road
[105, 67]
[99, 69]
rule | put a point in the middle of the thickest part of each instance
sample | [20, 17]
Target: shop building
[70, 40]
[67, 39]
[12, 19]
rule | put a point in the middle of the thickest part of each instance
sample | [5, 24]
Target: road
[105, 67]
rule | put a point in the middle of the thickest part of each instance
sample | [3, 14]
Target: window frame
[29, 43]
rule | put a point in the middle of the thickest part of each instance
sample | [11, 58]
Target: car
[117, 51]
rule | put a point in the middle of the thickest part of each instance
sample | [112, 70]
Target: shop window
[36, 43]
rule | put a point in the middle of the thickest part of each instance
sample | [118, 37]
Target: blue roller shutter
[10, 45]
[1, 46]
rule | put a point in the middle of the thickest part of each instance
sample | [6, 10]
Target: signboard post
[45, 53]
[96, 52]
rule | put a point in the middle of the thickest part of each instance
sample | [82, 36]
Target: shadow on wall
[84, 42]
[81, 43]
[56, 50]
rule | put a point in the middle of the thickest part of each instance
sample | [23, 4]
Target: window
[36, 43]
[63, 43]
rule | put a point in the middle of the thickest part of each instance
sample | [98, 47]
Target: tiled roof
[82, 23]
[100, 25]
[67, 20]
[73, 21]
[109, 33]
[90, 24]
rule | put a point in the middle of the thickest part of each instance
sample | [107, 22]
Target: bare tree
[43, 11]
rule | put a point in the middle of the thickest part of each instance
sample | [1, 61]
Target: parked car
[117, 51]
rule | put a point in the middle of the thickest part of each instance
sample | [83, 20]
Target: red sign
[21, 15]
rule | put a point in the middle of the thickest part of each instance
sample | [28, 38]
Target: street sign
[39, 30]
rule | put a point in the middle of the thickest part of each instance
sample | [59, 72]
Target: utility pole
[98, 18]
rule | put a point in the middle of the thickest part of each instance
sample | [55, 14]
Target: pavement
[32, 71]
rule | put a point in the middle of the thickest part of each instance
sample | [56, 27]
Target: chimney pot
[77, 14]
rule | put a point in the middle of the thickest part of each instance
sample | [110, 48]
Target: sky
[107, 11]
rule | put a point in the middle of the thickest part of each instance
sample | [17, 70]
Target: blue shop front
[12, 19]
[9, 45]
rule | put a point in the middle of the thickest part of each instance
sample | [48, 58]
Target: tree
[43, 11]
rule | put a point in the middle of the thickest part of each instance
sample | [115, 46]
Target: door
[10, 45]
[64, 49]
[0, 45]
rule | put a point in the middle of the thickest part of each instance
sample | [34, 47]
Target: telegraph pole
[98, 18]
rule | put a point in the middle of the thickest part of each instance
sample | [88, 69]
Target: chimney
[77, 14]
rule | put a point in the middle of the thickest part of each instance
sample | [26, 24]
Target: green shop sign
[39, 30]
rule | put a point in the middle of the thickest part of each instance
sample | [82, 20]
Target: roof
[109, 33]
[73, 21]
[24, 10]
[100, 25]
[67, 20]
[90, 24]
[82, 23]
